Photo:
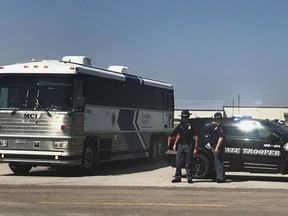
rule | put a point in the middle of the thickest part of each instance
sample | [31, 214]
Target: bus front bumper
[37, 158]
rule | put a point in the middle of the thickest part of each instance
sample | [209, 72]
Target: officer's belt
[185, 142]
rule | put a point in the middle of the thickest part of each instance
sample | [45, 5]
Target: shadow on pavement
[251, 177]
[110, 168]
[230, 178]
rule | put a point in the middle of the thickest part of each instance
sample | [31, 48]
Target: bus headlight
[285, 147]
[61, 145]
[3, 143]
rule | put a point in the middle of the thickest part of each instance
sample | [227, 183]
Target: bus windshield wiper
[17, 108]
[38, 104]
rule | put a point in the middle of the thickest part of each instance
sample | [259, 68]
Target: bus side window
[147, 97]
[168, 100]
[79, 99]
[157, 99]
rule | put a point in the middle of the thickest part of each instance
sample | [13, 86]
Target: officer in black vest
[186, 144]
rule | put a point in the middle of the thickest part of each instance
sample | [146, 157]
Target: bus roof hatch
[118, 68]
[77, 59]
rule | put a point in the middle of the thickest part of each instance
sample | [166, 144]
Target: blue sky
[208, 49]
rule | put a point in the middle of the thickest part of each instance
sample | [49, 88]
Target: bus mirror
[80, 103]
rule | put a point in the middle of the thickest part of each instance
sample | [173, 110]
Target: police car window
[253, 129]
[263, 132]
[275, 128]
[233, 131]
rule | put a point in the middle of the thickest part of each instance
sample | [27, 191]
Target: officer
[186, 144]
[217, 135]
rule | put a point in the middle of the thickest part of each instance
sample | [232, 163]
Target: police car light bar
[240, 116]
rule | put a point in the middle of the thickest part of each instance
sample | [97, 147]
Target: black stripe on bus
[138, 151]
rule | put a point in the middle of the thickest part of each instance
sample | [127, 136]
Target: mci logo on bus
[30, 116]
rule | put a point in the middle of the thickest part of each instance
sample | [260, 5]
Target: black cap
[218, 115]
[185, 113]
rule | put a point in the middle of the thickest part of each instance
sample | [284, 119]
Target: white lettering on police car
[232, 150]
[273, 146]
[262, 152]
[267, 145]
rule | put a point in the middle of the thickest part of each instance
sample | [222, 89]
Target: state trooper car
[251, 145]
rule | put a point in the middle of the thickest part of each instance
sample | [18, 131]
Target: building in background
[199, 108]
[207, 108]
[271, 113]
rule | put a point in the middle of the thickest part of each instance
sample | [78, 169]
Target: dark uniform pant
[219, 165]
[184, 151]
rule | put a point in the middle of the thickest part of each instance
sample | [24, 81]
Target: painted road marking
[136, 203]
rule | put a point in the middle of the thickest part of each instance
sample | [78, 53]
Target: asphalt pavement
[139, 173]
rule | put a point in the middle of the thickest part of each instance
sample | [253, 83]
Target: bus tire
[20, 169]
[164, 147]
[90, 158]
[201, 167]
[157, 149]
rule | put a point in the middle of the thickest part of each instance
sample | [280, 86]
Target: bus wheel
[89, 158]
[201, 166]
[163, 147]
[20, 169]
[157, 150]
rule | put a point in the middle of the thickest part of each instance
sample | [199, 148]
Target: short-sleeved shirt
[217, 130]
[186, 131]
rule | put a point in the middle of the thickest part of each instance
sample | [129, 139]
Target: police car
[251, 145]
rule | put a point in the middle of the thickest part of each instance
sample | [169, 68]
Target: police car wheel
[20, 169]
[201, 166]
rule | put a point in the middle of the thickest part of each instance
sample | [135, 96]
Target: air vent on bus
[118, 68]
[77, 59]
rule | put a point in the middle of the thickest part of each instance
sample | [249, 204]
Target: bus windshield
[30, 92]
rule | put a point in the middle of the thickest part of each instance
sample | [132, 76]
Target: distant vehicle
[68, 113]
[251, 145]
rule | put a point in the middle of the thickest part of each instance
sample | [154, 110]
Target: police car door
[257, 154]
[232, 146]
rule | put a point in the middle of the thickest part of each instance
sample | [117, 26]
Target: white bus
[68, 113]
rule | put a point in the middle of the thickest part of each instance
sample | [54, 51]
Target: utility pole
[233, 107]
[238, 103]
